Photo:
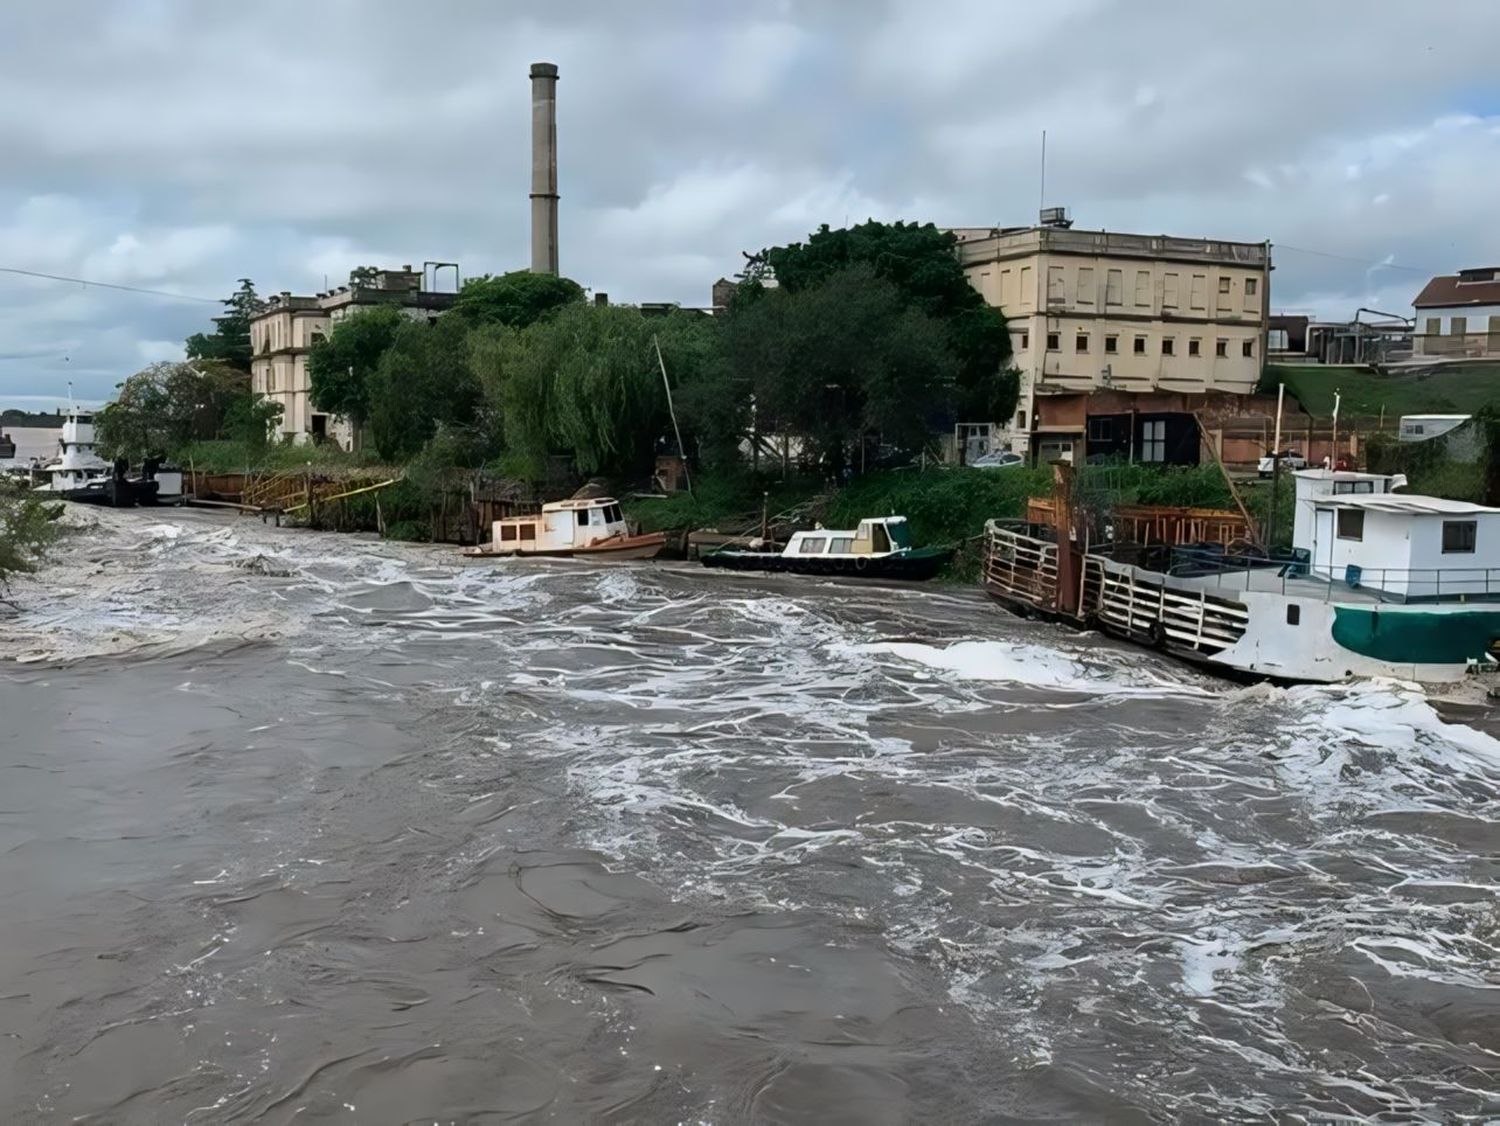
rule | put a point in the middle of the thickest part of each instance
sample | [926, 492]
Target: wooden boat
[565, 529]
[878, 549]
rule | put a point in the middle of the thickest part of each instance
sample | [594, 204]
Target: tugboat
[77, 466]
[880, 548]
[571, 529]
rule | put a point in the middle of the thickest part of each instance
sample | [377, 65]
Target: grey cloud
[183, 145]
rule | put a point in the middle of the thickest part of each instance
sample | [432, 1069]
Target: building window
[1223, 285]
[1293, 614]
[1351, 522]
[1199, 292]
[1458, 537]
[1279, 340]
[1247, 349]
[1154, 440]
[1195, 347]
[1081, 342]
[318, 338]
[1221, 348]
[1251, 286]
[1168, 345]
[1140, 345]
[1143, 288]
[1114, 287]
[1111, 344]
[1055, 291]
[1434, 326]
[1053, 343]
[1085, 285]
[1020, 420]
[1169, 291]
[1458, 326]
[1101, 429]
[1025, 341]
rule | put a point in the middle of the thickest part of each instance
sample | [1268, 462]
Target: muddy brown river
[301, 828]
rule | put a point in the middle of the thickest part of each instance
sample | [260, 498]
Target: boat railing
[1299, 577]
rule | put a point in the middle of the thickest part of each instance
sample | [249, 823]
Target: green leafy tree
[424, 378]
[587, 383]
[364, 276]
[921, 261]
[27, 526]
[341, 366]
[166, 406]
[229, 343]
[841, 358]
[518, 299]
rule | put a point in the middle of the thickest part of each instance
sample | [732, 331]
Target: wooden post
[1067, 569]
[1234, 492]
[765, 514]
[379, 519]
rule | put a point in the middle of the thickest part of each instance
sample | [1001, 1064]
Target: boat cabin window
[813, 545]
[1458, 536]
[584, 517]
[612, 514]
[841, 545]
[509, 531]
[879, 540]
[900, 535]
[1353, 487]
[1351, 523]
[528, 531]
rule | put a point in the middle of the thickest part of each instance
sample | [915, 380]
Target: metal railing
[1302, 578]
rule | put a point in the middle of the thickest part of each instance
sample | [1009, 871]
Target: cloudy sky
[178, 145]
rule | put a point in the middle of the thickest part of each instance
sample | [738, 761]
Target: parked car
[1290, 459]
[998, 459]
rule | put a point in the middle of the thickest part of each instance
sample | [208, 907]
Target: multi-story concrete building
[283, 335]
[1159, 317]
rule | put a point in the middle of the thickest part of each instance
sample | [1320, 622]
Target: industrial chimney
[544, 168]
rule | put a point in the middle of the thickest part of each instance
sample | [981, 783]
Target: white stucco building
[1458, 315]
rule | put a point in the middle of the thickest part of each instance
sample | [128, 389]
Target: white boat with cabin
[568, 528]
[1379, 583]
[77, 465]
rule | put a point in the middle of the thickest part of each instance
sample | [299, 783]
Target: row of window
[278, 333]
[1168, 345]
[1459, 536]
[1086, 290]
[1458, 326]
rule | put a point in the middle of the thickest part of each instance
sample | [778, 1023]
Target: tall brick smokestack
[544, 168]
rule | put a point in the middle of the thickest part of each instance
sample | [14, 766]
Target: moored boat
[878, 548]
[592, 528]
[1377, 584]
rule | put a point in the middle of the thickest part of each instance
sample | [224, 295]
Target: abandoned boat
[878, 548]
[1377, 584]
[593, 528]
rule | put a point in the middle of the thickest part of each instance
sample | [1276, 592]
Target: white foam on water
[1035, 666]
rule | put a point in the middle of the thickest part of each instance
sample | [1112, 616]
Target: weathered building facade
[1093, 311]
[284, 334]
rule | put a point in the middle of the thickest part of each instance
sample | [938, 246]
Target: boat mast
[665, 382]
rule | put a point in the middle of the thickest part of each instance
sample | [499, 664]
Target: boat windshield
[900, 535]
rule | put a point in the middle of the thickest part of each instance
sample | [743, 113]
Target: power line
[1359, 261]
[109, 285]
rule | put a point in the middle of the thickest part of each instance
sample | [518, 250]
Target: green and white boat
[1380, 583]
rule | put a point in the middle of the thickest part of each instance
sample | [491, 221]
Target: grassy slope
[1458, 389]
[237, 457]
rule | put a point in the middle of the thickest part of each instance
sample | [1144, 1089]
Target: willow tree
[587, 383]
